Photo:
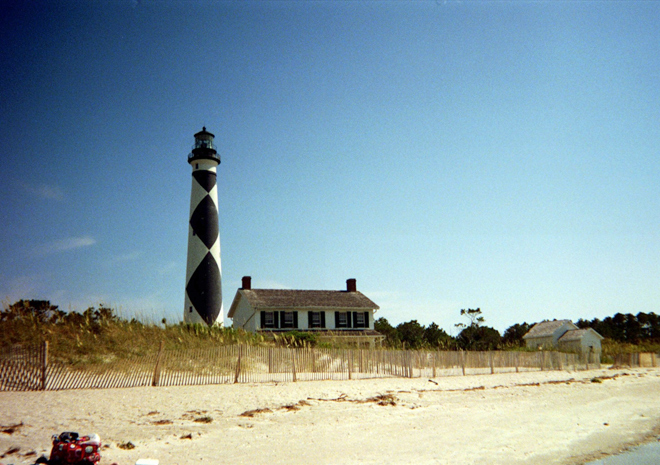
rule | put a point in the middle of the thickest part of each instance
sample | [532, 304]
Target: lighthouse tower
[203, 273]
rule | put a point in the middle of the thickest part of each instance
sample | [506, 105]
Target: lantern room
[204, 147]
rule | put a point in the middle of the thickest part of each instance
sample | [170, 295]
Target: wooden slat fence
[644, 359]
[29, 368]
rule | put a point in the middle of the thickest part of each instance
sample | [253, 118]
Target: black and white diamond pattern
[203, 274]
[200, 289]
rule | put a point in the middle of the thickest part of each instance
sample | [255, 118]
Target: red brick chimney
[247, 283]
[351, 286]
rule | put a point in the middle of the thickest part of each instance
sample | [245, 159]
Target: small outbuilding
[565, 336]
[344, 316]
[585, 341]
[545, 335]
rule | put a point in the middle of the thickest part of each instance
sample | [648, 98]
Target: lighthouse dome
[204, 147]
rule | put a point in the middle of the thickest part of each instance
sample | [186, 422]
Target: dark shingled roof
[576, 334]
[545, 328]
[287, 298]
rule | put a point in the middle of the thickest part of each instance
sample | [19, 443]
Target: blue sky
[447, 155]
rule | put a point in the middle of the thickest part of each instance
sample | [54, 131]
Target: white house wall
[571, 346]
[546, 342]
[589, 339]
[245, 316]
[559, 332]
[244, 311]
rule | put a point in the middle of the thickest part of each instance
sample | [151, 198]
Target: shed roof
[291, 298]
[546, 328]
[577, 334]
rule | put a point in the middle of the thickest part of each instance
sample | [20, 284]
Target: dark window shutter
[322, 319]
[276, 319]
[336, 319]
[355, 320]
[366, 319]
[349, 319]
[263, 319]
[295, 320]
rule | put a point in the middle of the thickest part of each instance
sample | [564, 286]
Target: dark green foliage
[479, 338]
[631, 329]
[36, 311]
[411, 334]
[298, 339]
[513, 336]
[434, 336]
[474, 336]
[474, 315]
[386, 329]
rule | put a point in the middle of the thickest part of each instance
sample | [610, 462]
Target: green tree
[39, 311]
[513, 336]
[436, 337]
[386, 329]
[474, 315]
[474, 336]
[411, 333]
[479, 338]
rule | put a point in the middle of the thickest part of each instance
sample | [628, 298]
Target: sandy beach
[533, 418]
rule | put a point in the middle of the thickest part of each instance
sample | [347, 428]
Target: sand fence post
[360, 361]
[312, 352]
[44, 365]
[350, 364]
[270, 360]
[463, 361]
[238, 364]
[492, 362]
[293, 363]
[156, 377]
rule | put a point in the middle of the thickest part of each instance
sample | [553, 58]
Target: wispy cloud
[45, 191]
[62, 245]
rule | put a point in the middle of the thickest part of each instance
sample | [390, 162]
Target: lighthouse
[203, 303]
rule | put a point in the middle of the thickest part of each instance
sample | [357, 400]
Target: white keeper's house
[343, 316]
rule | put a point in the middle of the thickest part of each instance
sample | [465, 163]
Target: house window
[288, 319]
[342, 319]
[268, 320]
[317, 319]
[360, 319]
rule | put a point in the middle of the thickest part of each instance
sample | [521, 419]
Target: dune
[557, 417]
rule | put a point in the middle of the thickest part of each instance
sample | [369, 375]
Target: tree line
[474, 335]
[413, 335]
